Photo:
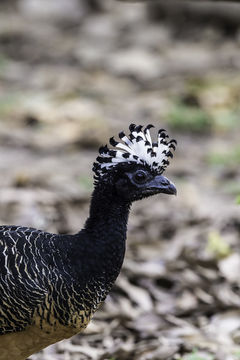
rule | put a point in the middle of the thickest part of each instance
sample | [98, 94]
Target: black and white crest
[136, 148]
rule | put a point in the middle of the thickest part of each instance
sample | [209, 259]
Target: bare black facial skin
[139, 183]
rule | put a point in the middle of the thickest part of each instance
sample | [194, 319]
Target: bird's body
[51, 285]
[42, 303]
[20, 345]
[54, 283]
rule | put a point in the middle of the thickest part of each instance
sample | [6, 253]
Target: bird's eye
[140, 177]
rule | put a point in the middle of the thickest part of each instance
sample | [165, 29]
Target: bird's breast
[42, 333]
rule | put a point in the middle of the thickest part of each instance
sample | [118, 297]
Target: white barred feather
[136, 148]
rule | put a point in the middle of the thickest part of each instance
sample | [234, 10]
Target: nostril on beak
[165, 182]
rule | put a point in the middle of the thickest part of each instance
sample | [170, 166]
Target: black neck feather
[97, 251]
[106, 229]
[93, 257]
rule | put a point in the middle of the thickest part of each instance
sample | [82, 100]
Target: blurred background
[72, 74]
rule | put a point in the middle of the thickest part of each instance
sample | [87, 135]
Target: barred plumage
[51, 285]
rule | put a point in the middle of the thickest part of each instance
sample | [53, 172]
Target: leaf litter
[178, 295]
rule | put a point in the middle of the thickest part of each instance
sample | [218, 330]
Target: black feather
[113, 142]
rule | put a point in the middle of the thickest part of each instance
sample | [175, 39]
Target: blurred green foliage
[231, 187]
[227, 157]
[217, 245]
[189, 118]
[206, 105]
[237, 354]
[196, 355]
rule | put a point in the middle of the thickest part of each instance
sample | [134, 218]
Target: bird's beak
[161, 184]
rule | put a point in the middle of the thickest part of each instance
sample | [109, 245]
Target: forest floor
[70, 79]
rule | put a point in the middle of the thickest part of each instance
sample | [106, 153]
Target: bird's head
[133, 169]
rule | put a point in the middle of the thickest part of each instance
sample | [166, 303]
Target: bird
[52, 284]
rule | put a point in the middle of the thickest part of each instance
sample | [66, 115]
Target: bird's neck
[106, 228]
[109, 210]
[91, 260]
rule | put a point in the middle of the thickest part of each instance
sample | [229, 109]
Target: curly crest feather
[136, 148]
